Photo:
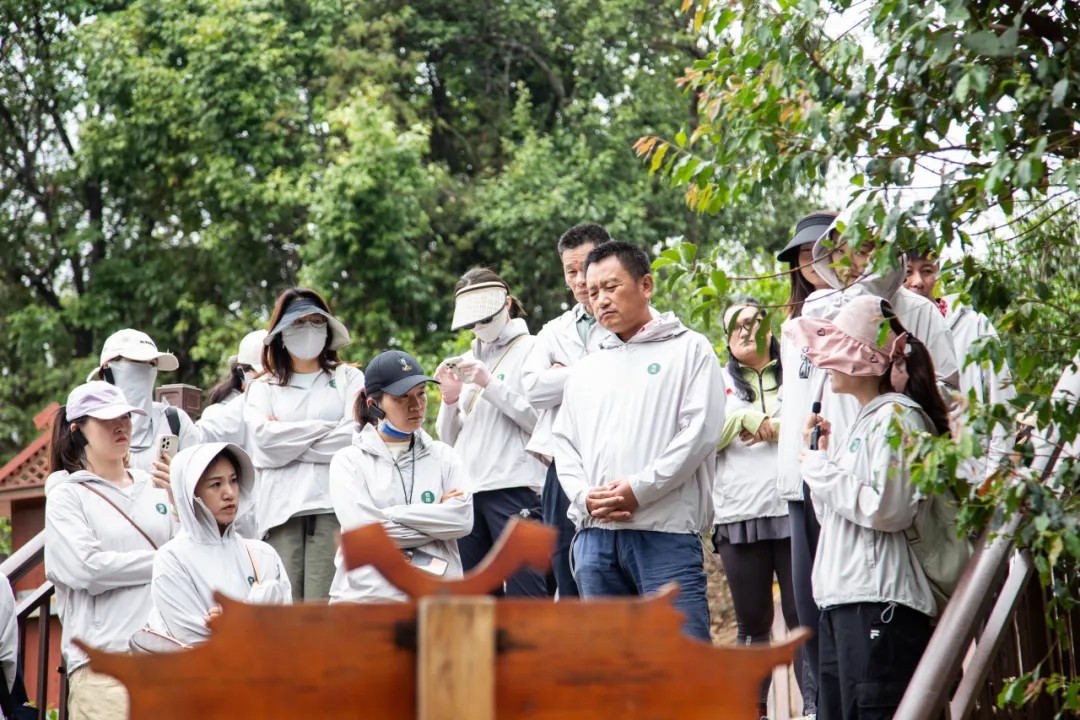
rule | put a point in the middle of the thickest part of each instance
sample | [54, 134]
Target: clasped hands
[613, 502]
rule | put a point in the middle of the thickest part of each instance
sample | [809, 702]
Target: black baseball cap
[808, 230]
[394, 372]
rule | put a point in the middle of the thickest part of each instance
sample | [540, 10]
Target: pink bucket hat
[858, 341]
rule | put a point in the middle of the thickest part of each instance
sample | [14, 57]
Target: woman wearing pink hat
[104, 522]
[875, 598]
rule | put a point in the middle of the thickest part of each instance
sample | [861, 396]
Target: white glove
[474, 371]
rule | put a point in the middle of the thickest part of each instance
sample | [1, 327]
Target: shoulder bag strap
[173, 416]
[122, 513]
[495, 367]
[254, 566]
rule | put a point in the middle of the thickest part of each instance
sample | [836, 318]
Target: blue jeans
[555, 505]
[637, 562]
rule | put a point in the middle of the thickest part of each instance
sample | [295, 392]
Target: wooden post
[456, 658]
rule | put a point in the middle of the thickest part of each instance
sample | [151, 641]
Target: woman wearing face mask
[298, 414]
[211, 483]
[486, 417]
[103, 525]
[752, 533]
[130, 360]
[396, 475]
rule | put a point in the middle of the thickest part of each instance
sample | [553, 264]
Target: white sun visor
[476, 303]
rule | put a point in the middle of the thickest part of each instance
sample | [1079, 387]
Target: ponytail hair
[233, 382]
[361, 412]
[65, 451]
[922, 384]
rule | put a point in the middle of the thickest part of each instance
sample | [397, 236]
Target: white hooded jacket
[201, 559]
[650, 410]
[223, 422]
[490, 427]
[368, 486]
[143, 458]
[9, 635]
[866, 500]
[557, 342]
[293, 451]
[100, 564]
[919, 316]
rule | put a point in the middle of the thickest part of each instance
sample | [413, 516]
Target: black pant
[492, 509]
[804, 537]
[869, 652]
[555, 505]
[750, 568]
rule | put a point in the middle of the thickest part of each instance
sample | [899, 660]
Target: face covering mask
[388, 428]
[136, 381]
[489, 332]
[304, 343]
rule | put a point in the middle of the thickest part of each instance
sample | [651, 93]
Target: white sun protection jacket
[968, 326]
[1045, 441]
[650, 410]
[557, 342]
[368, 486]
[490, 427]
[100, 564]
[292, 453]
[745, 485]
[9, 635]
[201, 559]
[223, 422]
[143, 457]
[866, 500]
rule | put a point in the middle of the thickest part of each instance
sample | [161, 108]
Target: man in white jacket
[560, 344]
[635, 443]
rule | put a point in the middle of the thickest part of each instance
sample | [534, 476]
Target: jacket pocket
[95, 619]
[870, 545]
[878, 700]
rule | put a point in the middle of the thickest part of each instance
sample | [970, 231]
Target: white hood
[202, 560]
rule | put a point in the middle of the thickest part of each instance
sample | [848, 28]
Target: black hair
[233, 382]
[479, 275]
[922, 384]
[362, 413]
[275, 357]
[66, 448]
[740, 387]
[583, 234]
[633, 259]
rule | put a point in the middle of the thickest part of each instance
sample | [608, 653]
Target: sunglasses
[485, 321]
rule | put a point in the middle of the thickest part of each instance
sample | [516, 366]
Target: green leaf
[1061, 87]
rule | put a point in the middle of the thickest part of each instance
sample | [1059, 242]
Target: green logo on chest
[854, 446]
[333, 383]
[251, 581]
[162, 508]
[654, 369]
[427, 496]
[502, 376]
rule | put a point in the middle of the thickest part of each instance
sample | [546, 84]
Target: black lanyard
[408, 493]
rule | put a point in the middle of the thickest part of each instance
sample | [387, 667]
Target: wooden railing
[25, 559]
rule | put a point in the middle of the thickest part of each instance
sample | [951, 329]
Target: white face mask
[305, 342]
[489, 332]
[136, 381]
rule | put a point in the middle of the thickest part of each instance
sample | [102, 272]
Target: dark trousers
[868, 654]
[750, 568]
[492, 509]
[555, 506]
[804, 538]
[614, 563]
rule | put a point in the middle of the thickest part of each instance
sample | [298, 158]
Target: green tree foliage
[952, 125]
[172, 166]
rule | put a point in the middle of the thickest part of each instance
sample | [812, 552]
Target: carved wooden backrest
[450, 654]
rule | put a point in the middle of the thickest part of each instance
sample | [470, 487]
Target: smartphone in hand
[168, 445]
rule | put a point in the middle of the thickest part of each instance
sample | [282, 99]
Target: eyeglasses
[317, 321]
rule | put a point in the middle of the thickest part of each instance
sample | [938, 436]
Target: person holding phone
[396, 475]
[212, 483]
[298, 414]
[130, 360]
[488, 420]
[104, 522]
[752, 534]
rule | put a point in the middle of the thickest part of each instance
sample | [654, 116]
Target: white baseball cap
[250, 351]
[99, 399]
[134, 345]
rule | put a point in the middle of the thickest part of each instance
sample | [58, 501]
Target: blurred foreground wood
[450, 654]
